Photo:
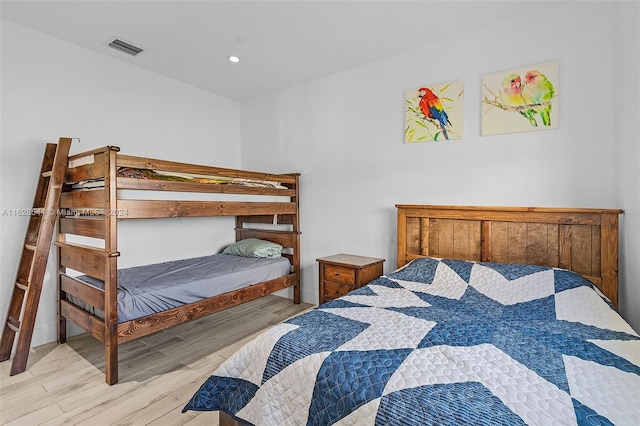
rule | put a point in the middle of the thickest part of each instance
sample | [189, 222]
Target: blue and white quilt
[441, 342]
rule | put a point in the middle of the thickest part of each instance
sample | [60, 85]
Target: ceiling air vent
[125, 47]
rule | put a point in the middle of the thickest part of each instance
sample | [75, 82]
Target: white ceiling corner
[280, 43]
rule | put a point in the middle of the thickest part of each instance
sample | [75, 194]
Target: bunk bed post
[111, 268]
[296, 243]
[62, 321]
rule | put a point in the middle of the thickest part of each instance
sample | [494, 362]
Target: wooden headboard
[581, 240]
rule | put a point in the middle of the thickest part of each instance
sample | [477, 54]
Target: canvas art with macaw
[520, 100]
[434, 113]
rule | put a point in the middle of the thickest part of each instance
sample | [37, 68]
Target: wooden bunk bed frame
[95, 213]
[581, 240]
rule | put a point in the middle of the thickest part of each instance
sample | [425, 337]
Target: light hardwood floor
[64, 384]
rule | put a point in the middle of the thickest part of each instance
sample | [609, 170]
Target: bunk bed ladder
[35, 253]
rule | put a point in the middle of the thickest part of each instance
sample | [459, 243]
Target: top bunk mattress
[149, 289]
[146, 174]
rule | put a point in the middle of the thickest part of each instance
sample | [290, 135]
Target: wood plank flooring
[64, 384]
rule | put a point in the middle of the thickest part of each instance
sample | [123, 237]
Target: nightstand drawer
[339, 274]
[333, 290]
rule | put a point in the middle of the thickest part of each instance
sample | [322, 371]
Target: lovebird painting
[538, 91]
[511, 95]
[432, 111]
[521, 99]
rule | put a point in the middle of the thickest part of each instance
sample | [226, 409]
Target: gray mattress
[145, 290]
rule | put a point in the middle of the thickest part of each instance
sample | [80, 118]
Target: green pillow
[253, 247]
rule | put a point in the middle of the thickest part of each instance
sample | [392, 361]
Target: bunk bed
[103, 187]
[495, 315]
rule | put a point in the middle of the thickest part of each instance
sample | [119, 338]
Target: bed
[495, 315]
[156, 288]
[103, 187]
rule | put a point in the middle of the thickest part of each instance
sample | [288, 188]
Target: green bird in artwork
[538, 91]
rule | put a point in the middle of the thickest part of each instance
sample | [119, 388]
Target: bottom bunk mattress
[441, 342]
[149, 289]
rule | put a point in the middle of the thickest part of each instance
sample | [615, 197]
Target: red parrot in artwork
[432, 108]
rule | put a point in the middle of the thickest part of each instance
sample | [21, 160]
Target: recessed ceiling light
[233, 59]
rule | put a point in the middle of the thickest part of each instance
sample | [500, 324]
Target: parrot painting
[431, 107]
[538, 89]
[511, 95]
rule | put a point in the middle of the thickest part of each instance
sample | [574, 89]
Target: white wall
[51, 89]
[627, 132]
[344, 133]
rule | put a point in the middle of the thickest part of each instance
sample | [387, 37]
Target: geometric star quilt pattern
[441, 342]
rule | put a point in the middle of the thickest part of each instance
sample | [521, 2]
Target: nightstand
[341, 273]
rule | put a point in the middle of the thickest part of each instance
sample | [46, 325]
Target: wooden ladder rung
[47, 173]
[13, 325]
[30, 247]
[22, 285]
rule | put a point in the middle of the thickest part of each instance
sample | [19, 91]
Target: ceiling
[280, 43]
